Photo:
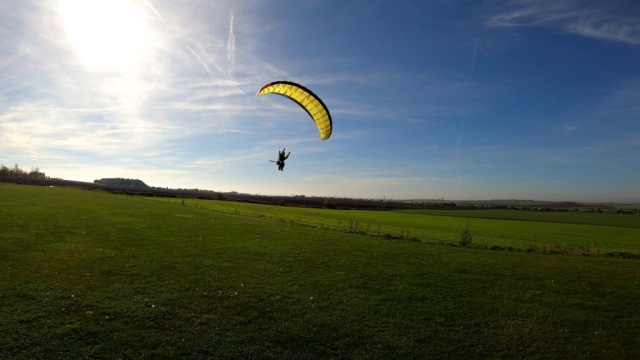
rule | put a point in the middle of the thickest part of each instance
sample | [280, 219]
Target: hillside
[122, 182]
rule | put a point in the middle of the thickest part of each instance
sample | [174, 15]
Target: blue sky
[430, 99]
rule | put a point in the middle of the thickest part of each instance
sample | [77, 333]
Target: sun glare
[106, 34]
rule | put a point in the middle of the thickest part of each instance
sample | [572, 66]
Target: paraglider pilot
[281, 159]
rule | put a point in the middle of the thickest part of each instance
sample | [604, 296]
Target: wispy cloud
[622, 92]
[622, 98]
[612, 20]
[473, 56]
[178, 98]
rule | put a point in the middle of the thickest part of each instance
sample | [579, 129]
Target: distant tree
[327, 204]
[36, 174]
[17, 172]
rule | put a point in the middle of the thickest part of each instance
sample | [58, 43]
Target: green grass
[518, 230]
[583, 218]
[92, 275]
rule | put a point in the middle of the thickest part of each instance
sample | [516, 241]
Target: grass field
[91, 275]
[519, 230]
[582, 218]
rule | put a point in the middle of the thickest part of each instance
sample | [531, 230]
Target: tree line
[16, 171]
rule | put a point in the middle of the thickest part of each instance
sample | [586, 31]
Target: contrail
[621, 92]
[180, 30]
[458, 140]
[199, 58]
[154, 10]
[616, 110]
[231, 47]
[473, 58]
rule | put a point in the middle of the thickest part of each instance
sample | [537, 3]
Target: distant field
[507, 228]
[86, 274]
[505, 202]
[582, 218]
[530, 203]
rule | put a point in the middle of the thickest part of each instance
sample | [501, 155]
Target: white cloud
[612, 20]
[61, 94]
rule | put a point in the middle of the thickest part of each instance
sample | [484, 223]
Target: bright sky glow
[106, 34]
[528, 99]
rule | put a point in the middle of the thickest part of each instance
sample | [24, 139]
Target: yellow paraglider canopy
[309, 101]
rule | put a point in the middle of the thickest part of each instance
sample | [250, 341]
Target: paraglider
[281, 159]
[309, 101]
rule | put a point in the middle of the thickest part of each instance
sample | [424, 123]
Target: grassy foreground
[88, 274]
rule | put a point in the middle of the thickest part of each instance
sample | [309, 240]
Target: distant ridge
[122, 182]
